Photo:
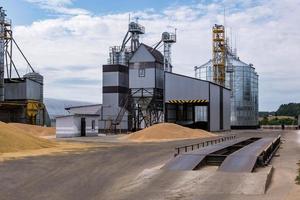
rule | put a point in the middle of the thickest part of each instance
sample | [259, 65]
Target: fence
[288, 127]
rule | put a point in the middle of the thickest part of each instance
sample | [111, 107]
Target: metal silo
[243, 82]
[39, 79]
[242, 79]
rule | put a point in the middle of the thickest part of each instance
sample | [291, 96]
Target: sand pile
[35, 130]
[14, 139]
[167, 131]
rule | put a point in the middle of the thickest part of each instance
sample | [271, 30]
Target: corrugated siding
[214, 107]
[226, 109]
[15, 91]
[33, 90]
[23, 90]
[184, 88]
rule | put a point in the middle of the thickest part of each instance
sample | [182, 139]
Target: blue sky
[23, 12]
[67, 41]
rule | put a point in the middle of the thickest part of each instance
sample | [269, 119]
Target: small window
[142, 72]
[93, 125]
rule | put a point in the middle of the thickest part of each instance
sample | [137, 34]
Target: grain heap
[35, 130]
[13, 139]
[167, 131]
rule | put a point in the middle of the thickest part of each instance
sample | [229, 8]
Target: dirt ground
[104, 171]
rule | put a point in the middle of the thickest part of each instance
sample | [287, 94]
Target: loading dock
[190, 113]
[196, 103]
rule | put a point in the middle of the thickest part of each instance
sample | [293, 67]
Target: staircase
[120, 116]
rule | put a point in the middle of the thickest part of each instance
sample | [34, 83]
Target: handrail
[192, 147]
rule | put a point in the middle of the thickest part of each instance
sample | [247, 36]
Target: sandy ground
[14, 139]
[59, 148]
[108, 171]
[166, 132]
[294, 194]
[35, 130]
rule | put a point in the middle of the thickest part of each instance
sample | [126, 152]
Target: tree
[291, 109]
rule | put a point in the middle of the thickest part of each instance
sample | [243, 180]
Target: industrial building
[140, 89]
[80, 121]
[21, 97]
[196, 103]
[226, 68]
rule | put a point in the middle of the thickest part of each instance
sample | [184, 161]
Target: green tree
[291, 109]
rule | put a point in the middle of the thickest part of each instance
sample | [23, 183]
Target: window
[93, 125]
[142, 72]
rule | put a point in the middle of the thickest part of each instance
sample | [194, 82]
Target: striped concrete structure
[195, 101]
[115, 90]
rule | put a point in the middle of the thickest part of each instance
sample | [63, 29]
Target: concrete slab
[294, 194]
[185, 184]
[238, 183]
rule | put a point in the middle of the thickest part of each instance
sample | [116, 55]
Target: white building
[81, 121]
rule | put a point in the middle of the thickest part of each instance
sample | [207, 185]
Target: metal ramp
[192, 159]
[245, 159]
[238, 155]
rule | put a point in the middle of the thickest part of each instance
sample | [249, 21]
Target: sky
[67, 41]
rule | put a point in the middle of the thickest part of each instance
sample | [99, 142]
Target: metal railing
[288, 127]
[192, 147]
[266, 156]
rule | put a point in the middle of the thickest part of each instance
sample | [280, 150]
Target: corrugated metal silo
[39, 79]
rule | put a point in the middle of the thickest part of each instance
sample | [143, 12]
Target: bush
[276, 121]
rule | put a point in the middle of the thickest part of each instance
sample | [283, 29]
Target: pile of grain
[35, 130]
[167, 131]
[13, 139]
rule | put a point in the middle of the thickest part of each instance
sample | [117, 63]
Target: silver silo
[242, 79]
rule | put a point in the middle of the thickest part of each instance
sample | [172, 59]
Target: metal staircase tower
[219, 54]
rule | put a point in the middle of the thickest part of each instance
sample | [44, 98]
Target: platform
[191, 159]
[238, 155]
[245, 159]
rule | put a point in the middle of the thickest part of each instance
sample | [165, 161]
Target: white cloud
[59, 6]
[268, 37]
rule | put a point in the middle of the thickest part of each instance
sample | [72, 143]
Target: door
[83, 127]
